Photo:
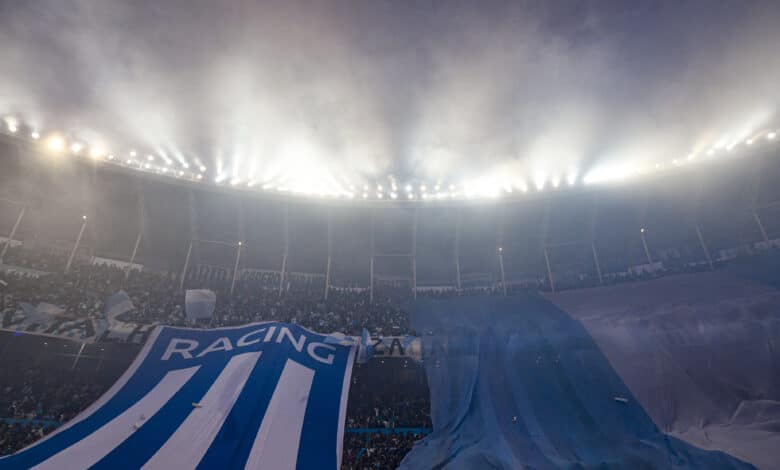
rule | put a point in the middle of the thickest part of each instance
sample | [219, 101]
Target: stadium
[366, 267]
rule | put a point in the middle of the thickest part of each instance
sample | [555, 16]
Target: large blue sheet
[517, 383]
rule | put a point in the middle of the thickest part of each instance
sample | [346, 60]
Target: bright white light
[55, 143]
[147, 166]
[365, 187]
[365, 195]
[12, 128]
[771, 135]
[202, 168]
[150, 158]
[394, 195]
[610, 173]
[165, 170]
[185, 165]
[571, 178]
[452, 187]
[379, 187]
[437, 187]
[133, 153]
[200, 177]
[556, 181]
[691, 156]
[35, 135]
[76, 147]
[710, 151]
[97, 152]
[379, 195]
[539, 182]
[111, 157]
[422, 188]
[408, 188]
[749, 142]
[410, 196]
[128, 161]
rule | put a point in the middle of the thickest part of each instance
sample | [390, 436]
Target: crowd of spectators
[388, 406]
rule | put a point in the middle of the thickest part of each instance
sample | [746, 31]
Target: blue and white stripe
[262, 396]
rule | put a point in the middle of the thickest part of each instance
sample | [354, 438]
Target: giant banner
[262, 396]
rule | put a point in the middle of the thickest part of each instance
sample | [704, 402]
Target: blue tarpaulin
[515, 382]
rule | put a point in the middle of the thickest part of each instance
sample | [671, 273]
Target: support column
[501, 250]
[78, 356]
[76, 245]
[457, 252]
[235, 267]
[13, 232]
[592, 236]
[755, 217]
[596, 261]
[545, 228]
[549, 271]
[286, 248]
[371, 263]
[141, 213]
[186, 266]
[330, 255]
[414, 255]
[644, 244]
[704, 247]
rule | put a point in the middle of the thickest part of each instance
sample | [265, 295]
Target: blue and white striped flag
[199, 303]
[262, 396]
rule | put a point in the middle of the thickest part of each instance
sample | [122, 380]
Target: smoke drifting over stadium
[326, 96]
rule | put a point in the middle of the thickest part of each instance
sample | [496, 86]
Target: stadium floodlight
[710, 151]
[150, 158]
[410, 195]
[12, 127]
[55, 143]
[35, 135]
[110, 156]
[165, 170]
[422, 188]
[771, 136]
[394, 195]
[200, 177]
[96, 152]
[379, 195]
[128, 161]
[642, 230]
[365, 195]
[437, 187]
[749, 142]
[379, 187]
[76, 148]
[83, 217]
[181, 173]
[147, 166]
[202, 168]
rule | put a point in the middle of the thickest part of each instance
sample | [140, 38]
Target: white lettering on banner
[242, 341]
[221, 344]
[174, 349]
[186, 347]
[311, 349]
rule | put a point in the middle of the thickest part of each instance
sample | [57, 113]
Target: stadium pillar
[78, 356]
[186, 266]
[76, 245]
[141, 213]
[371, 263]
[330, 255]
[704, 247]
[644, 244]
[501, 250]
[592, 236]
[235, 267]
[286, 248]
[457, 252]
[755, 217]
[596, 261]
[13, 233]
[549, 271]
[414, 255]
